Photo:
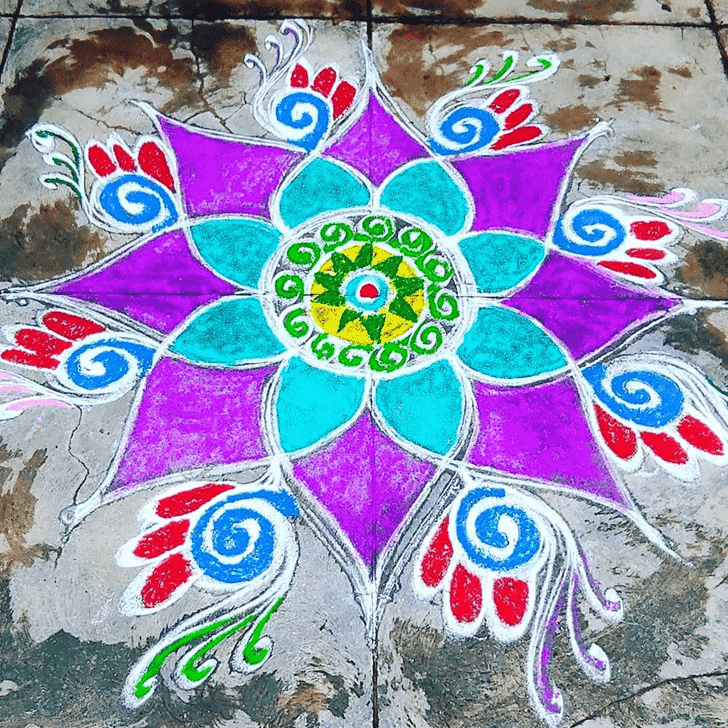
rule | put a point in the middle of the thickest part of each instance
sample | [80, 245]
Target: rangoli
[349, 315]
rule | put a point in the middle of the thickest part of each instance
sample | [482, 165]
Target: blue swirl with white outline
[630, 397]
[590, 242]
[487, 531]
[154, 201]
[319, 126]
[239, 554]
[112, 361]
[479, 130]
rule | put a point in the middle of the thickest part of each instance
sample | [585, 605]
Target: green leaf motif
[347, 317]
[328, 281]
[374, 325]
[330, 298]
[364, 256]
[390, 266]
[401, 308]
[408, 286]
[342, 264]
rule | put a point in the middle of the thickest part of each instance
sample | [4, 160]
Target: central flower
[363, 291]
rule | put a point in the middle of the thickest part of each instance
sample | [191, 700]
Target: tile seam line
[384, 20]
[11, 33]
[715, 26]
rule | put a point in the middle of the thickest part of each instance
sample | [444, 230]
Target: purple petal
[219, 174]
[159, 283]
[376, 144]
[541, 432]
[366, 482]
[585, 308]
[190, 417]
[519, 190]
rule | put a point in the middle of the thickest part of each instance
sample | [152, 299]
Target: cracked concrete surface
[658, 70]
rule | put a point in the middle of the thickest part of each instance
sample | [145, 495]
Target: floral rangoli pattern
[347, 317]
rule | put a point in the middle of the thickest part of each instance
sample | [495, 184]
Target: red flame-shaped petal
[699, 435]
[123, 158]
[518, 116]
[504, 100]
[666, 448]
[299, 77]
[466, 595]
[164, 539]
[324, 81]
[29, 359]
[510, 597]
[41, 342]
[100, 160]
[153, 161]
[628, 269]
[164, 581]
[646, 253]
[620, 439]
[70, 326]
[518, 136]
[436, 560]
[649, 229]
[180, 504]
[343, 98]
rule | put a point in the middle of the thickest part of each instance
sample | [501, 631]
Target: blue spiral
[479, 129]
[112, 358]
[234, 541]
[630, 396]
[582, 241]
[318, 126]
[488, 533]
[144, 204]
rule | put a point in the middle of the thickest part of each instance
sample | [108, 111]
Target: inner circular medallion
[363, 291]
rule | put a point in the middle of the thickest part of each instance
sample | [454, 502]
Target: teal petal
[504, 344]
[424, 407]
[313, 402]
[500, 261]
[321, 186]
[427, 191]
[236, 249]
[234, 331]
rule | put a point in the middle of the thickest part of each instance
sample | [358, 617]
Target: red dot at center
[368, 290]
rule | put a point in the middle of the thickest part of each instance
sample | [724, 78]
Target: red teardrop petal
[343, 98]
[124, 159]
[299, 77]
[324, 81]
[164, 539]
[100, 161]
[646, 253]
[518, 136]
[649, 229]
[510, 597]
[29, 358]
[504, 100]
[153, 161]
[619, 438]
[518, 116]
[665, 447]
[466, 595]
[70, 326]
[166, 578]
[180, 504]
[699, 435]
[41, 342]
[436, 560]
[628, 269]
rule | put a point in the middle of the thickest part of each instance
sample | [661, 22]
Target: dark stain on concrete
[636, 182]
[584, 10]
[571, 118]
[565, 43]
[413, 76]
[17, 513]
[705, 268]
[222, 46]
[682, 71]
[587, 81]
[47, 243]
[644, 90]
[408, 8]
[637, 158]
[695, 334]
[221, 9]
[91, 62]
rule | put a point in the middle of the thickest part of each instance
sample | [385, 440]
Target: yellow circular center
[329, 318]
